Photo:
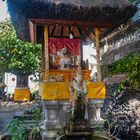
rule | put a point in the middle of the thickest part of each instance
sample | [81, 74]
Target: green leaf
[17, 55]
[129, 65]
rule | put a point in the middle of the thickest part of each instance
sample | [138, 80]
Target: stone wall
[120, 42]
[120, 52]
[123, 109]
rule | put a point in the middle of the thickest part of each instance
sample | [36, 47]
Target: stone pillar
[56, 118]
[95, 111]
[45, 56]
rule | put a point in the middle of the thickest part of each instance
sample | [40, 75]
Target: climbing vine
[129, 65]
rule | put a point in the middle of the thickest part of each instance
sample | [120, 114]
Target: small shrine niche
[65, 56]
[22, 80]
[64, 53]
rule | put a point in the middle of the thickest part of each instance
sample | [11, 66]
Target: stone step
[5, 118]
[10, 109]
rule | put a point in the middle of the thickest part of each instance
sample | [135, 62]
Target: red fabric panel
[56, 44]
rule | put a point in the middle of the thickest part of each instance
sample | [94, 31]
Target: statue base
[78, 134]
[58, 125]
[80, 128]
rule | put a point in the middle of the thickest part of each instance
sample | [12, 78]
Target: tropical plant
[36, 129]
[17, 56]
[18, 130]
[129, 65]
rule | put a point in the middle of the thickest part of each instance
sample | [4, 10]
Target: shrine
[62, 27]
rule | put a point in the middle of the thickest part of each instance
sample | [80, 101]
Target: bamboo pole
[46, 52]
[97, 33]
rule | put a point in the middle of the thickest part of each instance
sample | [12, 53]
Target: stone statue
[78, 99]
[65, 60]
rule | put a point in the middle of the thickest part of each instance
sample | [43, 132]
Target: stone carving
[78, 100]
[65, 59]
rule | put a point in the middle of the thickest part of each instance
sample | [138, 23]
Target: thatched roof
[110, 11]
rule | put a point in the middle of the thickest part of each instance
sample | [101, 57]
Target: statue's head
[79, 76]
[64, 50]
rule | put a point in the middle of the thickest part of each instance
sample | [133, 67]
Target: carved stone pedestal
[55, 113]
[56, 116]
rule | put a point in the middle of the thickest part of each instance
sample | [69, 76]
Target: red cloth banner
[56, 44]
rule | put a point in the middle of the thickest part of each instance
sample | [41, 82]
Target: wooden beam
[80, 30]
[53, 30]
[43, 64]
[32, 30]
[76, 32]
[53, 22]
[46, 49]
[70, 31]
[97, 33]
[87, 33]
[62, 28]
[91, 36]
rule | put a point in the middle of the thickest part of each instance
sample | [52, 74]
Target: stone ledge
[58, 102]
[53, 124]
[49, 135]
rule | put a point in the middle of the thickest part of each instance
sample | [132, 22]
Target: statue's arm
[84, 87]
[77, 88]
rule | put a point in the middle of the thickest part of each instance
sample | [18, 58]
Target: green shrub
[129, 65]
[17, 129]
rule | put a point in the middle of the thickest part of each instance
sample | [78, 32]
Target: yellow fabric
[22, 95]
[96, 90]
[60, 90]
[54, 91]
